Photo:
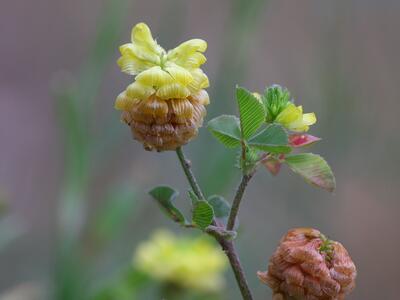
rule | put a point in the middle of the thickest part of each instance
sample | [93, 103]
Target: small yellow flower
[192, 263]
[164, 106]
[292, 118]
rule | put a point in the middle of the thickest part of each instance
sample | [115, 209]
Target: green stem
[227, 246]
[236, 201]
[186, 166]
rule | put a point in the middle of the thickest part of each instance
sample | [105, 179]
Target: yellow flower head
[192, 263]
[292, 118]
[165, 104]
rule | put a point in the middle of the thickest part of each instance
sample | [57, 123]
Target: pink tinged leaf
[297, 140]
[313, 168]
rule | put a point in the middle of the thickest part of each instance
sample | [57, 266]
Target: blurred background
[73, 183]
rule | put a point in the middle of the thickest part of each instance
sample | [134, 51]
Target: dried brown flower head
[306, 265]
[165, 124]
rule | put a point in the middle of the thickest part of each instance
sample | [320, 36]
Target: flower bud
[281, 109]
[306, 265]
[165, 105]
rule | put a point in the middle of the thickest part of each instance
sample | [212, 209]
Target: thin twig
[236, 201]
[227, 245]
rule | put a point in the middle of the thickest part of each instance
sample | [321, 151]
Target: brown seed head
[308, 266]
[165, 124]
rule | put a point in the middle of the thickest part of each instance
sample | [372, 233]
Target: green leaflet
[271, 139]
[165, 196]
[252, 113]
[314, 169]
[203, 214]
[226, 129]
[221, 208]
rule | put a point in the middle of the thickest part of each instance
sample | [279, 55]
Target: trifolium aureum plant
[165, 105]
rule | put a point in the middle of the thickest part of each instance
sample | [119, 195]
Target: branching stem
[236, 201]
[227, 245]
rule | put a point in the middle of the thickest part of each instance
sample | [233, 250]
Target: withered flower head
[165, 105]
[306, 265]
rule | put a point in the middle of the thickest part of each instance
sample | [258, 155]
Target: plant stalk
[236, 201]
[186, 166]
[227, 246]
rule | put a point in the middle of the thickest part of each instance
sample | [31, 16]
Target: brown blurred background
[65, 158]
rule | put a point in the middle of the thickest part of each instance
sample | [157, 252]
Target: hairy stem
[227, 246]
[186, 166]
[236, 201]
[231, 253]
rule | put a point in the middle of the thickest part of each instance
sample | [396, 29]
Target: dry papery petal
[308, 266]
[161, 124]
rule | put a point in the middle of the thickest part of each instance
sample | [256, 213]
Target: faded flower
[192, 263]
[165, 105]
[306, 265]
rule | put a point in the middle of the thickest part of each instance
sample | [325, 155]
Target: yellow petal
[137, 90]
[302, 124]
[123, 102]
[173, 90]
[141, 36]
[179, 74]
[309, 119]
[130, 63]
[188, 54]
[290, 114]
[200, 81]
[155, 77]
[298, 126]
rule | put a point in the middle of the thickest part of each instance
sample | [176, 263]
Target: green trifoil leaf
[165, 197]
[226, 129]
[272, 139]
[252, 113]
[203, 214]
[313, 168]
[221, 208]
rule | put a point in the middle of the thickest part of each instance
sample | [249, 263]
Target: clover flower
[192, 263]
[280, 109]
[306, 265]
[293, 118]
[165, 105]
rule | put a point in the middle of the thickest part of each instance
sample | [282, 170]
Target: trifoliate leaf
[226, 129]
[165, 196]
[272, 139]
[313, 168]
[221, 208]
[252, 112]
[203, 214]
